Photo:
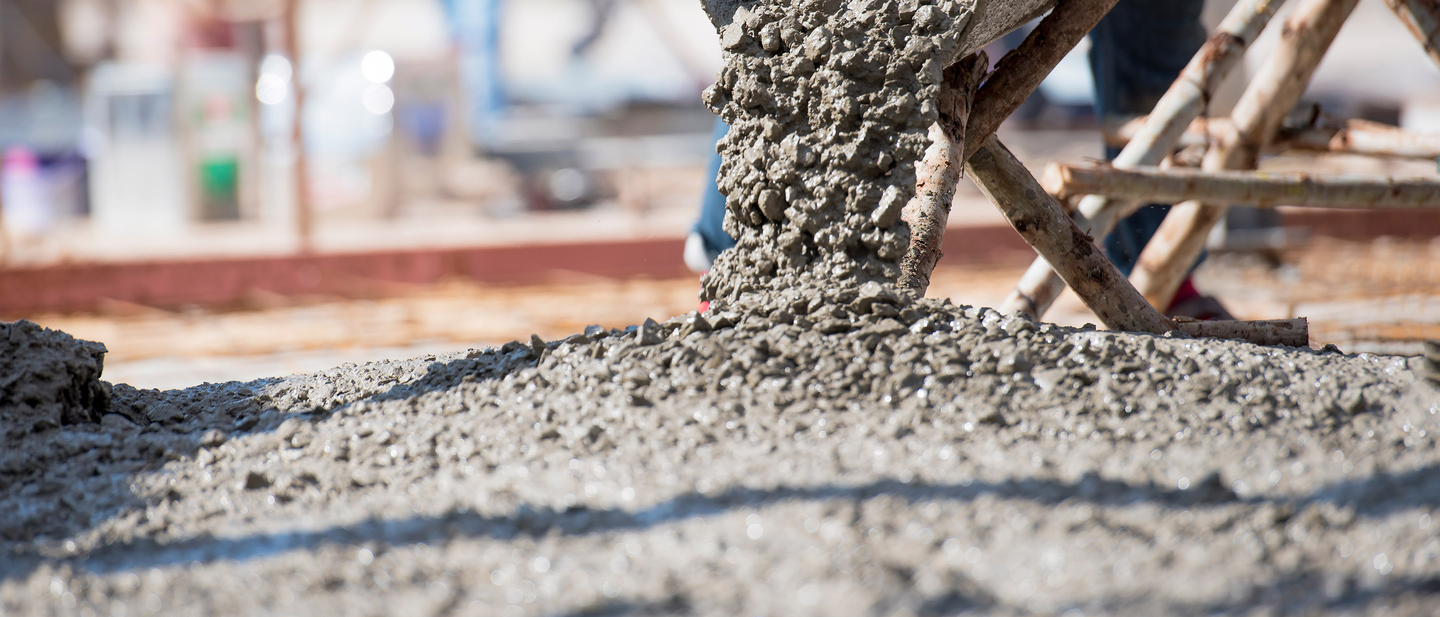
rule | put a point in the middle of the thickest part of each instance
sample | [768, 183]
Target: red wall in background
[232, 282]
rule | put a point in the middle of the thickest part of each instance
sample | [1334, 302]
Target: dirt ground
[1381, 296]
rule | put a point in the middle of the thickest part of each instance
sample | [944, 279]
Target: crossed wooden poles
[1066, 243]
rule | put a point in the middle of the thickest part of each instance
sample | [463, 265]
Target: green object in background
[220, 189]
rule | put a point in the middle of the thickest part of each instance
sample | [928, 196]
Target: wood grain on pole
[1255, 188]
[1325, 134]
[1040, 220]
[1288, 332]
[1361, 137]
[1172, 252]
[938, 173]
[1422, 18]
[1184, 101]
[1020, 72]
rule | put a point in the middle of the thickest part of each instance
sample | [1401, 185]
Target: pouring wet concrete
[819, 443]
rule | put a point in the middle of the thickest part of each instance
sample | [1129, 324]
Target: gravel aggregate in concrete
[48, 378]
[855, 453]
[829, 106]
[819, 443]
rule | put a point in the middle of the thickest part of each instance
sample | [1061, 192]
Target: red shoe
[1189, 302]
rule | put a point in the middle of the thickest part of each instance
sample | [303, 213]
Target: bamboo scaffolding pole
[1016, 76]
[1324, 135]
[1422, 18]
[1185, 100]
[938, 173]
[304, 217]
[1171, 253]
[1040, 220]
[1020, 72]
[1288, 332]
[1361, 137]
[1259, 189]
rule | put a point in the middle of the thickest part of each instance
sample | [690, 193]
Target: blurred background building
[130, 125]
[148, 118]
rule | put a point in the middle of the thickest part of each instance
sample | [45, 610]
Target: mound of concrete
[849, 453]
[819, 443]
[48, 379]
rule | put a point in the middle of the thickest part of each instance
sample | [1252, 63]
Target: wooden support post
[1167, 260]
[1041, 221]
[938, 173]
[1288, 332]
[1325, 134]
[1361, 137]
[304, 218]
[1016, 76]
[1259, 189]
[1020, 72]
[1186, 99]
[1422, 17]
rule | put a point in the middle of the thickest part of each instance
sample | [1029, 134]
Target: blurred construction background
[231, 189]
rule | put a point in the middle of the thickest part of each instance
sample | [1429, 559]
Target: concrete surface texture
[818, 443]
[48, 379]
[829, 108]
[858, 454]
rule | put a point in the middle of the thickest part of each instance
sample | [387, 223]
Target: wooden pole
[1186, 99]
[304, 220]
[1422, 18]
[937, 175]
[1361, 137]
[1016, 76]
[1020, 72]
[1040, 220]
[1288, 332]
[1171, 253]
[1259, 189]
[1325, 134]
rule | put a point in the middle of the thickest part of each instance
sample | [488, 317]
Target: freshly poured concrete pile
[866, 456]
[47, 379]
[819, 443]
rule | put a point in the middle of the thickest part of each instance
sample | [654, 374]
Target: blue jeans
[1136, 52]
[712, 205]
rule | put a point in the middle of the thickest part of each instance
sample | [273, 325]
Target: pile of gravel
[48, 379]
[818, 443]
[848, 452]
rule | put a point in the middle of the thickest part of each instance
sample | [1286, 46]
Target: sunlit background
[234, 189]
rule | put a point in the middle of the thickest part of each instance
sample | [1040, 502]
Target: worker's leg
[708, 238]
[1136, 52]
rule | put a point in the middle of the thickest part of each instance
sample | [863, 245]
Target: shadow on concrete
[1375, 496]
